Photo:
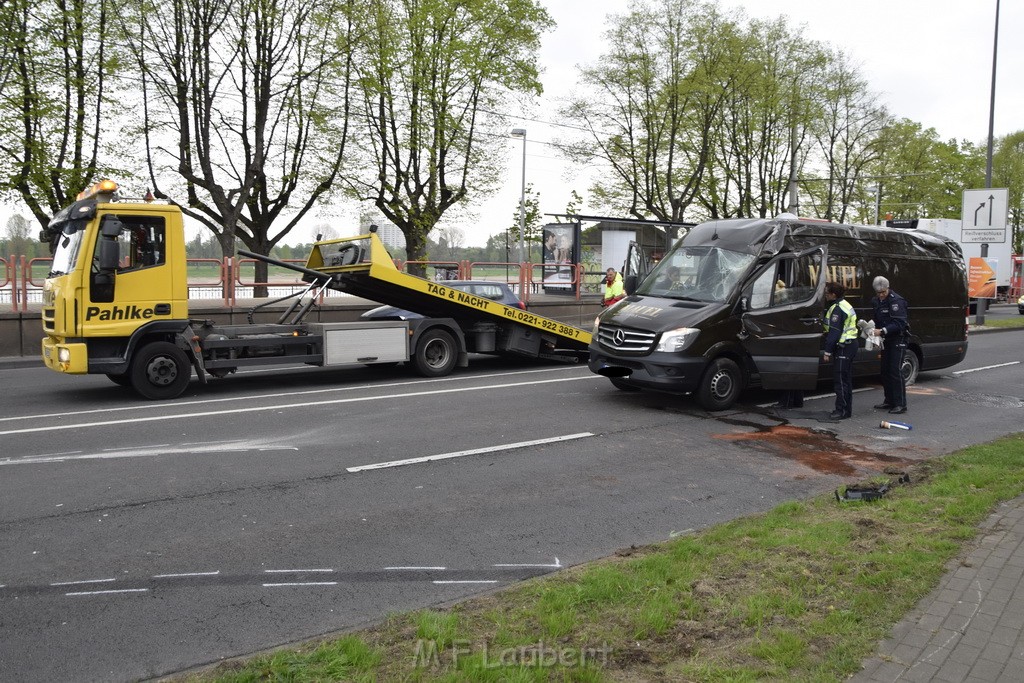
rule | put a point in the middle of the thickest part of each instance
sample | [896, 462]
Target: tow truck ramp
[361, 266]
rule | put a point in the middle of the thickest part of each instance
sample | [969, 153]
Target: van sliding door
[782, 323]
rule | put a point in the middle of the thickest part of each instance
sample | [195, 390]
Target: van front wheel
[721, 385]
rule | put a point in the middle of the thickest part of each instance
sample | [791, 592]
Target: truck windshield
[68, 245]
[697, 273]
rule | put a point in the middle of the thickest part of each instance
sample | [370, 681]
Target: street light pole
[983, 303]
[517, 133]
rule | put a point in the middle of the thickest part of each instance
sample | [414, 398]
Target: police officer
[840, 347]
[893, 326]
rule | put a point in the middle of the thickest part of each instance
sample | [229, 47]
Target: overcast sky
[929, 60]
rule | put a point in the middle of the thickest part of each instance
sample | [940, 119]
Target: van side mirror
[629, 284]
[110, 254]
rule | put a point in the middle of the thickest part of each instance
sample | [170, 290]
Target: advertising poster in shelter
[561, 249]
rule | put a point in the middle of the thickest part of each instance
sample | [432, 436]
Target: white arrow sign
[983, 218]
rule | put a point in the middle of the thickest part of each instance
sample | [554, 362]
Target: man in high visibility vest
[613, 288]
[840, 347]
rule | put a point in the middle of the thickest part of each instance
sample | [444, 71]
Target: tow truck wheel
[160, 371]
[435, 354]
[721, 385]
[123, 380]
[910, 367]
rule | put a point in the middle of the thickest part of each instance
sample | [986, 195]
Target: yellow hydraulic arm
[361, 266]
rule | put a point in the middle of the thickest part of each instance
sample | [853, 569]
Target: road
[139, 539]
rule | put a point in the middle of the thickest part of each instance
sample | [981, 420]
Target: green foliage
[58, 101]
[426, 70]
[1008, 172]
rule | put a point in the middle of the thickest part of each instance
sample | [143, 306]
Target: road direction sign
[983, 218]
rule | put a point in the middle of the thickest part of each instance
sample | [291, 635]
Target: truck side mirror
[111, 227]
[110, 254]
[629, 284]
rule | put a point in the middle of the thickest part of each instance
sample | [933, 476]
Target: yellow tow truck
[116, 303]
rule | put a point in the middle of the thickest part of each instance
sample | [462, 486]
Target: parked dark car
[495, 291]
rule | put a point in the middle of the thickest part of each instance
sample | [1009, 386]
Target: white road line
[281, 394]
[987, 367]
[412, 569]
[123, 590]
[285, 406]
[816, 397]
[297, 571]
[78, 583]
[475, 451]
[146, 452]
[556, 565]
[446, 582]
[185, 575]
[301, 583]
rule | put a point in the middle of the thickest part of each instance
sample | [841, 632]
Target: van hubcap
[721, 384]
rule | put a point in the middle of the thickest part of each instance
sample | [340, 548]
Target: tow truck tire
[122, 380]
[436, 354]
[721, 385]
[910, 368]
[160, 371]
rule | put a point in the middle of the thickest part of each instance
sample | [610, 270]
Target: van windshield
[697, 273]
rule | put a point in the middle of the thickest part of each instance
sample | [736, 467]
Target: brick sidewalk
[970, 628]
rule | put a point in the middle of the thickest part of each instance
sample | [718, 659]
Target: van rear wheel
[910, 367]
[721, 385]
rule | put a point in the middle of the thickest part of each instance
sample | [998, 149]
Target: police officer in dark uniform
[840, 347]
[893, 327]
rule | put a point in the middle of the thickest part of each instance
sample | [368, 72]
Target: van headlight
[677, 340]
[64, 354]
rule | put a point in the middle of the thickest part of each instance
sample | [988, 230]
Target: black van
[740, 302]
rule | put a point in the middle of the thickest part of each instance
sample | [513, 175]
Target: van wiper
[682, 298]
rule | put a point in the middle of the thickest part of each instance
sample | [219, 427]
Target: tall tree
[846, 135]
[247, 102]
[652, 104]
[769, 106]
[921, 175]
[429, 70]
[1008, 172]
[55, 66]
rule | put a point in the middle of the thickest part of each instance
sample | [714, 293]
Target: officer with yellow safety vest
[840, 347]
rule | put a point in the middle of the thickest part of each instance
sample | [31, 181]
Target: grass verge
[1005, 322]
[803, 592]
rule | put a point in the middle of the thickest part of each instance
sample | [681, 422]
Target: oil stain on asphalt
[818, 450]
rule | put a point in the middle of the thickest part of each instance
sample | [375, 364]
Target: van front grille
[625, 339]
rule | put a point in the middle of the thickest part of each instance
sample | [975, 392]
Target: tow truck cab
[118, 278]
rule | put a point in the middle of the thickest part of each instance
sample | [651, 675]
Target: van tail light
[522, 306]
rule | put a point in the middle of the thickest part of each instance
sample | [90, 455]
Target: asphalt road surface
[139, 539]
